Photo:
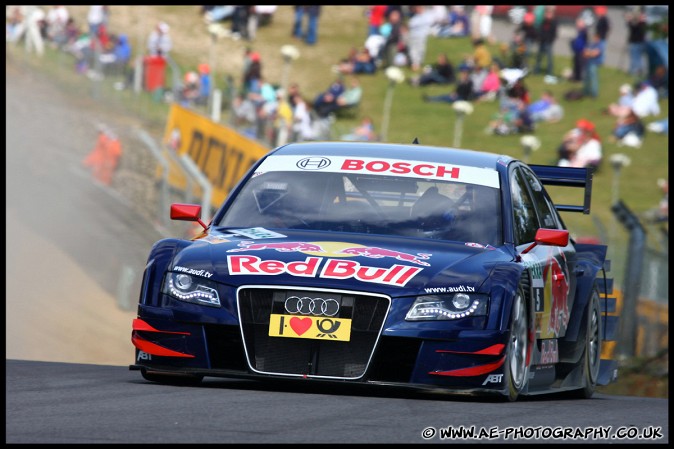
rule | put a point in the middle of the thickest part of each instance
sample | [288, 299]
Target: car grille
[310, 357]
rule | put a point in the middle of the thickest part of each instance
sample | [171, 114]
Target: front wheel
[517, 353]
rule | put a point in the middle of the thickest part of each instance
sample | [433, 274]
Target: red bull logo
[397, 275]
[378, 253]
[284, 247]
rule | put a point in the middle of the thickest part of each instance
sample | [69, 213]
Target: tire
[592, 352]
[516, 366]
[172, 379]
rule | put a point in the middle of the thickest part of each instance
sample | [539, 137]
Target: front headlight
[448, 307]
[185, 287]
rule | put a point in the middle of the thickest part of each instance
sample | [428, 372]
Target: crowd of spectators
[395, 36]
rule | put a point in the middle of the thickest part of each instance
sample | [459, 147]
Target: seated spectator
[326, 102]
[363, 62]
[464, 90]
[581, 147]
[624, 102]
[547, 109]
[512, 118]
[645, 103]
[631, 126]
[490, 84]
[352, 95]
[190, 89]
[364, 132]
[659, 79]
[244, 114]
[457, 24]
[442, 72]
[116, 61]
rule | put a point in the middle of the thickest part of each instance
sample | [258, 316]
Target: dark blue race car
[386, 264]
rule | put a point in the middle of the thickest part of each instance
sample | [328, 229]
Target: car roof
[416, 152]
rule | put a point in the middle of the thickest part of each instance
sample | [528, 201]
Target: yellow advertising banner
[221, 153]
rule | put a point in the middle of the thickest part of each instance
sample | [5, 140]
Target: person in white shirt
[159, 43]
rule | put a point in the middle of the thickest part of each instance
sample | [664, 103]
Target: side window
[524, 214]
[547, 215]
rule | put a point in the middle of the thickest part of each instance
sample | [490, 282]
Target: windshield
[365, 203]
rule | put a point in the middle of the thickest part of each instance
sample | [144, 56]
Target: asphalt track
[68, 342]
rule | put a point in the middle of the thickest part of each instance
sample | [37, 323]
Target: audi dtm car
[377, 263]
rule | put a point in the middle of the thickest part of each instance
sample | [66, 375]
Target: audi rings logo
[312, 306]
[313, 163]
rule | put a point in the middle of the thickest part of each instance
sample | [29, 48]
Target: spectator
[513, 118]
[159, 43]
[240, 22]
[303, 129]
[578, 44]
[547, 34]
[218, 13]
[325, 103]
[253, 73]
[659, 79]
[419, 27]
[631, 124]
[529, 37]
[204, 83]
[351, 96]
[117, 60]
[364, 132]
[190, 89]
[57, 18]
[645, 103]
[624, 103]
[636, 41]
[581, 147]
[244, 114]
[547, 109]
[490, 85]
[376, 15]
[442, 72]
[481, 22]
[518, 52]
[602, 28]
[310, 36]
[362, 62]
[457, 23]
[96, 17]
[283, 118]
[464, 90]
[394, 38]
[481, 55]
[592, 56]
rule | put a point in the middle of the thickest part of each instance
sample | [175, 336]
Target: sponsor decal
[215, 238]
[559, 292]
[313, 163]
[315, 328]
[397, 275]
[311, 306]
[493, 379]
[142, 355]
[535, 266]
[284, 247]
[203, 273]
[549, 352]
[480, 245]
[377, 253]
[257, 233]
[391, 167]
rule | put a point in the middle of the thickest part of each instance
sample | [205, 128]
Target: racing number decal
[557, 275]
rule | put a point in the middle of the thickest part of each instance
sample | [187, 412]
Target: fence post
[632, 281]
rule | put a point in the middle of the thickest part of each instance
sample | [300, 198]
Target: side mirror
[552, 237]
[187, 212]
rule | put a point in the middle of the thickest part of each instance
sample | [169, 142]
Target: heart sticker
[300, 325]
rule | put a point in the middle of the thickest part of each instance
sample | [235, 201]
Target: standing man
[636, 41]
[312, 12]
[547, 34]
[593, 55]
[602, 29]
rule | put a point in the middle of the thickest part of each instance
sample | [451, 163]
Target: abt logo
[493, 379]
[143, 356]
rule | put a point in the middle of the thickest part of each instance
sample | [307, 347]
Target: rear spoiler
[551, 175]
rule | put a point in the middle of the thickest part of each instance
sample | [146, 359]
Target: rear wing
[551, 175]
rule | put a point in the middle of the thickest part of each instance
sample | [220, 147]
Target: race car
[390, 264]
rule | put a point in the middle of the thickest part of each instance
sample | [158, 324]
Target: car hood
[391, 265]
